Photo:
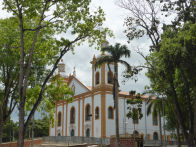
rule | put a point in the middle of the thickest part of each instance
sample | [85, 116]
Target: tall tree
[115, 53]
[71, 17]
[8, 72]
[154, 107]
[175, 66]
[9, 69]
[148, 23]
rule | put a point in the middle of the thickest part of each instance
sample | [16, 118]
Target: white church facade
[91, 114]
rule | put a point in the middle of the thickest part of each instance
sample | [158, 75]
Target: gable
[77, 87]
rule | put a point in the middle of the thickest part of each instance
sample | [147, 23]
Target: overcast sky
[83, 55]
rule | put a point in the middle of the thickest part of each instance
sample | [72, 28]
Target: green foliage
[173, 74]
[185, 10]
[10, 131]
[36, 25]
[115, 54]
[56, 90]
[40, 128]
[135, 106]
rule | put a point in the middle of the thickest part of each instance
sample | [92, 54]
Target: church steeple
[101, 76]
[61, 68]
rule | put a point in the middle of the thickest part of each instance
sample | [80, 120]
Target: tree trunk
[116, 103]
[1, 132]
[21, 124]
[178, 136]
[160, 129]
[194, 115]
[190, 141]
[21, 84]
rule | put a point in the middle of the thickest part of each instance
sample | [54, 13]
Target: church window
[88, 132]
[97, 78]
[72, 133]
[110, 113]
[155, 136]
[110, 77]
[87, 112]
[59, 119]
[72, 115]
[97, 113]
[155, 119]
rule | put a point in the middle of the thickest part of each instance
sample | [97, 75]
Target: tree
[135, 108]
[148, 23]
[10, 131]
[171, 123]
[41, 127]
[73, 18]
[142, 21]
[9, 67]
[114, 56]
[175, 66]
[155, 108]
[8, 72]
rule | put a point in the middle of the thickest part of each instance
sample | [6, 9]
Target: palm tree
[156, 106]
[114, 56]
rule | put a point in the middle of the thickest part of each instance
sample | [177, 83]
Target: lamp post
[145, 122]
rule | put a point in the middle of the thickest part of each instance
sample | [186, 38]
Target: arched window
[155, 136]
[72, 115]
[110, 77]
[97, 113]
[59, 119]
[154, 119]
[110, 113]
[88, 132]
[87, 112]
[97, 78]
[72, 133]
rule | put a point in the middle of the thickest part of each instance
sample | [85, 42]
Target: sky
[83, 55]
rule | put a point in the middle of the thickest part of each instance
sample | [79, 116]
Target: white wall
[97, 123]
[110, 123]
[88, 124]
[81, 107]
[59, 128]
[79, 89]
[75, 125]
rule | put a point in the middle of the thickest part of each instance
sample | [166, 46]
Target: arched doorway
[155, 136]
[72, 133]
[88, 132]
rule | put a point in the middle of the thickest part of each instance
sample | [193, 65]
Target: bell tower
[102, 76]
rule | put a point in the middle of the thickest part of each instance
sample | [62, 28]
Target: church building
[92, 114]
